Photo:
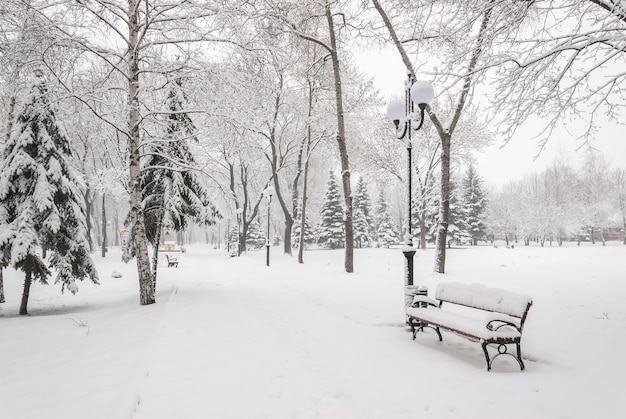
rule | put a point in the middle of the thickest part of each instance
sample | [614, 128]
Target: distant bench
[171, 261]
[490, 316]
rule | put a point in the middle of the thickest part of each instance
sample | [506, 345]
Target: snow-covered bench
[171, 261]
[490, 316]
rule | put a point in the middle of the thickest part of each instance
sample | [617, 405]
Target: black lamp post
[239, 213]
[406, 119]
[268, 192]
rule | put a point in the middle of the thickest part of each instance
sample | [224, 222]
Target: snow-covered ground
[232, 338]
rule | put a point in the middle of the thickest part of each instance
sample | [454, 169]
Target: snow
[478, 295]
[232, 338]
[458, 321]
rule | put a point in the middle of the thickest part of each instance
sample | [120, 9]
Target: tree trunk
[104, 227]
[341, 142]
[2, 300]
[305, 179]
[155, 251]
[444, 209]
[27, 281]
[146, 290]
[88, 210]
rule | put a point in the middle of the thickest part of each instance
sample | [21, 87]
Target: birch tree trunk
[341, 143]
[155, 251]
[305, 179]
[146, 288]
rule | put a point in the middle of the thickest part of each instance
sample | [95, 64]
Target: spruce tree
[475, 202]
[233, 240]
[386, 233]
[41, 205]
[173, 196]
[363, 225]
[309, 234]
[255, 239]
[362, 235]
[330, 233]
[457, 228]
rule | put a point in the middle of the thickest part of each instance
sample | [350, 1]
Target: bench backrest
[484, 298]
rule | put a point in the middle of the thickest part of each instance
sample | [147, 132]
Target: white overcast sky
[499, 165]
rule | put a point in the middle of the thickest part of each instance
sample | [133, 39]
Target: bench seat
[470, 327]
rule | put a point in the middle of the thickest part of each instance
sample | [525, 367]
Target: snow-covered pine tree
[362, 235]
[475, 203]
[363, 225]
[41, 205]
[386, 233]
[255, 238]
[431, 216]
[330, 233]
[233, 240]
[457, 227]
[309, 234]
[173, 196]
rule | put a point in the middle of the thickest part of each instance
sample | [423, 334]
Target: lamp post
[239, 212]
[268, 192]
[406, 119]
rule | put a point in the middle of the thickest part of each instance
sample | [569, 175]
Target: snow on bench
[491, 316]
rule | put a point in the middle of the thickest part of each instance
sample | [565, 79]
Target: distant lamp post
[239, 212]
[267, 193]
[406, 119]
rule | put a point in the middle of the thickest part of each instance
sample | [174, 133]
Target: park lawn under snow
[232, 338]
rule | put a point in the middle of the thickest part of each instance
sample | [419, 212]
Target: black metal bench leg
[487, 356]
[519, 357]
[413, 329]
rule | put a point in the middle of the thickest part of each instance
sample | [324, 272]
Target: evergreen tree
[425, 212]
[41, 204]
[362, 235]
[386, 233]
[457, 227]
[173, 196]
[233, 240]
[309, 234]
[331, 232]
[255, 238]
[363, 225]
[475, 202]
[431, 217]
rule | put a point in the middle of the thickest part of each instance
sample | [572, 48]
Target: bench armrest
[420, 300]
[495, 321]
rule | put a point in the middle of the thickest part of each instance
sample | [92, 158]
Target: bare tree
[303, 27]
[567, 64]
[446, 130]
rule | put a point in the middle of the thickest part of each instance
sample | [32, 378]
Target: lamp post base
[410, 290]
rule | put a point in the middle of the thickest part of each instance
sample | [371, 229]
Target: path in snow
[239, 347]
